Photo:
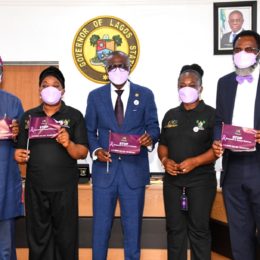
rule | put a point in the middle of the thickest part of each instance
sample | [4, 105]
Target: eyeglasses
[247, 49]
[121, 66]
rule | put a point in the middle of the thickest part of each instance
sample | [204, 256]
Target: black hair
[194, 68]
[253, 34]
[52, 71]
[118, 53]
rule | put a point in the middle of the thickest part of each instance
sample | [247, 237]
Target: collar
[236, 33]
[255, 75]
[62, 108]
[199, 108]
[126, 87]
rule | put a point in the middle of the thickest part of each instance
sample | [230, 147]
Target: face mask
[51, 95]
[244, 59]
[188, 94]
[118, 76]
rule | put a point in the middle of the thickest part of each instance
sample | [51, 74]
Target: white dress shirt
[231, 37]
[244, 108]
[124, 96]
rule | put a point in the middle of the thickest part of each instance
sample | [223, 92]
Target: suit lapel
[257, 107]
[129, 106]
[231, 97]
[107, 102]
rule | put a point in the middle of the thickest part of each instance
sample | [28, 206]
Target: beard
[249, 70]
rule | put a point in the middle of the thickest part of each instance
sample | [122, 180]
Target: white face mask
[51, 95]
[118, 76]
[244, 59]
[188, 94]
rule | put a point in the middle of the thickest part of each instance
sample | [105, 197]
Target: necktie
[233, 36]
[119, 108]
[240, 79]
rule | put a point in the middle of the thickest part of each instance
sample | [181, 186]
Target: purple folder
[238, 138]
[43, 127]
[124, 143]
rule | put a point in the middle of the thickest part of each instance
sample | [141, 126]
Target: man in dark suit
[235, 21]
[238, 103]
[117, 176]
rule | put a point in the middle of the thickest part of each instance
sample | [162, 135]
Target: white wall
[170, 36]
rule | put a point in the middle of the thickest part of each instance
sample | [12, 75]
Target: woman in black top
[51, 188]
[190, 181]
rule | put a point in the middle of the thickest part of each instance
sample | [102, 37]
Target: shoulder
[141, 89]
[227, 34]
[172, 112]
[209, 108]
[9, 96]
[227, 78]
[99, 90]
[73, 112]
[31, 111]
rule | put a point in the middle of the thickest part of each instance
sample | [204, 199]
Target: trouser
[241, 190]
[131, 208]
[192, 224]
[7, 239]
[52, 223]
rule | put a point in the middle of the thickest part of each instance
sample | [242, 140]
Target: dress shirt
[231, 37]
[244, 108]
[124, 96]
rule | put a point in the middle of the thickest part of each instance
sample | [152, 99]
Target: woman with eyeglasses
[190, 181]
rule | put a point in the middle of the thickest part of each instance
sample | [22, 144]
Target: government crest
[96, 39]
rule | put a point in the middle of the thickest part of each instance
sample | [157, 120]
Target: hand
[217, 148]
[21, 155]
[103, 155]
[15, 128]
[257, 136]
[188, 165]
[146, 140]
[63, 138]
[171, 166]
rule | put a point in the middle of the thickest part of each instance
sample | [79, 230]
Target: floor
[117, 254]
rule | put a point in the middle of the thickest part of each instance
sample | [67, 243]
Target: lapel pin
[195, 129]
[136, 102]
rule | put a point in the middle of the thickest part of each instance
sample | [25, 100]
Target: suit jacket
[140, 117]
[226, 94]
[224, 43]
[11, 205]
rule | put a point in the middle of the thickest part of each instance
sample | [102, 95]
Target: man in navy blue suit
[238, 103]
[121, 107]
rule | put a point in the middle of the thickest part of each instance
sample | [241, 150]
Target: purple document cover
[238, 138]
[43, 127]
[124, 143]
[5, 129]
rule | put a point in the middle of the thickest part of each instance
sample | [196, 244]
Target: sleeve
[80, 131]
[23, 132]
[91, 121]
[19, 109]
[212, 124]
[162, 139]
[151, 118]
[219, 112]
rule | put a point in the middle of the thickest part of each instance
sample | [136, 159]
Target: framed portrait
[230, 18]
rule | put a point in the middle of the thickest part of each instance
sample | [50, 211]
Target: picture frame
[231, 18]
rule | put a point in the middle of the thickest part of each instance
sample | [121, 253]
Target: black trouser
[52, 223]
[193, 224]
